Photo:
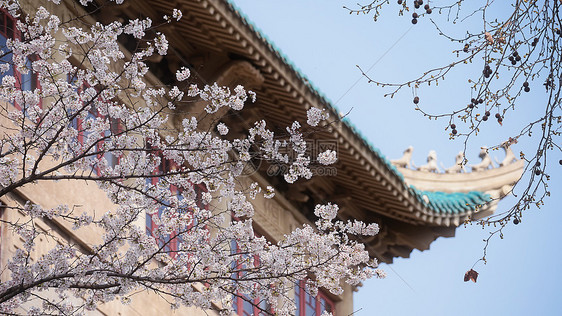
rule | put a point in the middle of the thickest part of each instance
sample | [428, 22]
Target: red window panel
[116, 127]
[28, 81]
[170, 242]
[7, 31]
[245, 306]
[242, 304]
[2, 208]
[308, 305]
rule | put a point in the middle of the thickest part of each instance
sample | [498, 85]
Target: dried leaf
[470, 275]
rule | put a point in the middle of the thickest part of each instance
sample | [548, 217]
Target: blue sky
[326, 43]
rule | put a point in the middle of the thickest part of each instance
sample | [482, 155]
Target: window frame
[116, 127]
[239, 302]
[171, 241]
[9, 30]
[303, 299]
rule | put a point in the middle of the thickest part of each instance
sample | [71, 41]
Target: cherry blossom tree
[515, 49]
[95, 115]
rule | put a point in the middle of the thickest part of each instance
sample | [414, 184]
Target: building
[218, 44]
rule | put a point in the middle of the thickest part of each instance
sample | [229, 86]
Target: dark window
[308, 305]
[170, 242]
[245, 305]
[7, 27]
[79, 124]
[27, 81]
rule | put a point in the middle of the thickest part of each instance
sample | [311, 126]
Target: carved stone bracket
[239, 72]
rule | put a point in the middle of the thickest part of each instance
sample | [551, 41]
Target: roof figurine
[509, 155]
[459, 164]
[458, 192]
[431, 165]
[406, 159]
[486, 162]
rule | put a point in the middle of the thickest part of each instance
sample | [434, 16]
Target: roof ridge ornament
[509, 155]
[486, 162]
[458, 167]
[405, 160]
[456, 194]
[483, 178]
[431, 165]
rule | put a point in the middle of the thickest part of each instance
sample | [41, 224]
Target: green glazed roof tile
[451, 203]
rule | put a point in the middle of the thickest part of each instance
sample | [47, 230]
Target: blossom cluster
[315, 116]
[327, 157]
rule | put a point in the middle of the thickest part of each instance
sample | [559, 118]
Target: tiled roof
[451, 203]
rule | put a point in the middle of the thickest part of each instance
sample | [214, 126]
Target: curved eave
[458, 196]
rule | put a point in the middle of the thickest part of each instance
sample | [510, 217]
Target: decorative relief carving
[273, 211]
[234, 73]
[268, 216]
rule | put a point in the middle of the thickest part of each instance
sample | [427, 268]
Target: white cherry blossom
[315, 115]
[327, 157]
